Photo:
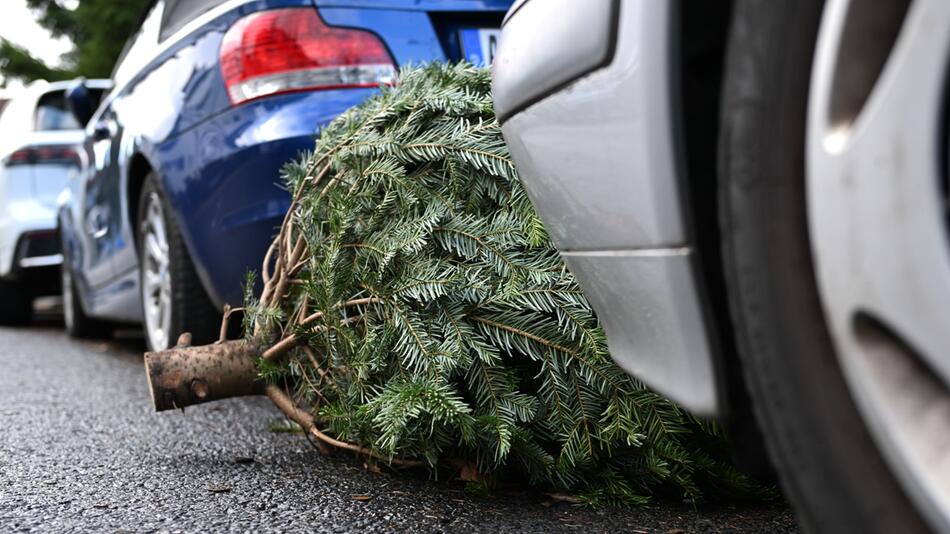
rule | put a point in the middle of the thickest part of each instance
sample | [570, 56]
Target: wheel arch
[139, 168]
[702, 36]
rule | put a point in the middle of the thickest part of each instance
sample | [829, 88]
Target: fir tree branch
[525, 334]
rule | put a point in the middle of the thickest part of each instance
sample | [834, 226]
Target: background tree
[17, 62]
[98, 30]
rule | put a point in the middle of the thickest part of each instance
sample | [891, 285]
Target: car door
[107, 143]
[96, 210]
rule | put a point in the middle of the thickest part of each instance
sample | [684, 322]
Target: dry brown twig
[306, 421]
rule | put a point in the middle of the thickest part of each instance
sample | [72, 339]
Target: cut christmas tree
[414, 311]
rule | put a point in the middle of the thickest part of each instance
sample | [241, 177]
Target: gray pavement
[82, 450]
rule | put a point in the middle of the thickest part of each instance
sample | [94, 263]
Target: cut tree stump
[185, 375]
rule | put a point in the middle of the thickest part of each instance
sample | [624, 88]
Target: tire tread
[828, 465]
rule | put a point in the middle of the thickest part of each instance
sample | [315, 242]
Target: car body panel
[646, 302]
[225, 180]
[395, 28]
[218, 164]
[534, 64]
[595, 138]
[598, 158]
[157, 102]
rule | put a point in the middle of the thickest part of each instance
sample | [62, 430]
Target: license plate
[479, 45]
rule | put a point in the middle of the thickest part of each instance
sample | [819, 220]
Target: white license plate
[479, 44]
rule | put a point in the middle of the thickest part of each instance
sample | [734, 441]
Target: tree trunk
[184, 375]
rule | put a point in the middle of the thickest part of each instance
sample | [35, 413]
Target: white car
[39, 140]
[754, 196]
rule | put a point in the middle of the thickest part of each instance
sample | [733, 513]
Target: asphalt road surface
[82, 450]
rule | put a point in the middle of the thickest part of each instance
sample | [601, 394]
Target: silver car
[754, 195]
[38, 153]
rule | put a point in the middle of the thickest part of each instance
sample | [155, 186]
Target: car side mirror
[79, 101]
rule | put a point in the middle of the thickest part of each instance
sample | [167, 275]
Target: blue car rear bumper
[223, 178]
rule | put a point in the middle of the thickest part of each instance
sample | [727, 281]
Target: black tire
[191, 308]
[16, 304]
[828, 465]
[77, 323]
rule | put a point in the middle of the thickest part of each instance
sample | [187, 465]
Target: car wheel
[825, 443]
[174, 300]
[16, 304]
[78, 324]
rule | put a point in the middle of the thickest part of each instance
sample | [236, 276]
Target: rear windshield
[180, 12]
[52, 113]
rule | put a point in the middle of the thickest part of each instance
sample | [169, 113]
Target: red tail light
[44, 155]
[20, 157]
[292, 49]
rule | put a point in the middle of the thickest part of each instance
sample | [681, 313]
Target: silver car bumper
[585, 92]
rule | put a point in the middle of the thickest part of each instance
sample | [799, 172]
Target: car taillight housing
[292, 49]
[43, 155]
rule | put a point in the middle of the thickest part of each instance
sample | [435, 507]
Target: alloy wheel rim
[156, 277]
[878, 229]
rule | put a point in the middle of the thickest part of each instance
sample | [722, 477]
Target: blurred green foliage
[98, 30]
[16, 62]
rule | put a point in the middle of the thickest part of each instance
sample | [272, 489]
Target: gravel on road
[82, 450]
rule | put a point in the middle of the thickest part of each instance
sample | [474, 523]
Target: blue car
[180, 191]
